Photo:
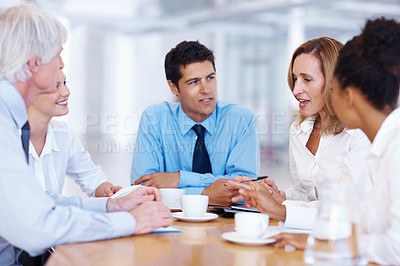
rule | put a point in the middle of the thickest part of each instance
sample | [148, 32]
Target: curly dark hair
[186, 52]
[370, 62]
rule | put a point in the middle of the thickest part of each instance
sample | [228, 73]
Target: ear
[33, 65]
[173, 88]
[350, 96]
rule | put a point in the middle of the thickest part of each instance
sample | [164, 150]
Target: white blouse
[63, 154]
[338, 156]
[381, 207]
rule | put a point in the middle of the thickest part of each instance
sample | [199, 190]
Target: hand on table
[219, 193]
[260, 196]
[160, 180]
[133, 199]
[106, 189]
[150, 216]
[299, 241]
[279, 195]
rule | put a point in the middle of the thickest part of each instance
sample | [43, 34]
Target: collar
[186, 123]
[14, 102]
[386, 133]
[49, 145]
[307, 126]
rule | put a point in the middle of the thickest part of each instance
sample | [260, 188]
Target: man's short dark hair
[186, 52]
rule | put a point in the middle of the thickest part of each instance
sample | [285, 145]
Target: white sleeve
[82, 169]
[300, 214]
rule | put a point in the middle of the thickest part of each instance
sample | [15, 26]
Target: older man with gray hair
[31, 41]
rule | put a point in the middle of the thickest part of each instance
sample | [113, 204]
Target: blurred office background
[115, 53]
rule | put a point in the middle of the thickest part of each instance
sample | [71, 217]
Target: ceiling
[264, 16]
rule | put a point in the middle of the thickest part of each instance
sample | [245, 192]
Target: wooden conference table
[199, 244]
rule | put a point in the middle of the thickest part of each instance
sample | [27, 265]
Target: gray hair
[27, 32]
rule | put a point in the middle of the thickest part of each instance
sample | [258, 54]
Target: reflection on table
[199, 244]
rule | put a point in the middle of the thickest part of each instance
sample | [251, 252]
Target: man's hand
[150, 216]
[220, 193]
[259, 195]
[299, 241]
[133, 199]
[145, 191]
[106, 189]
[160, 180]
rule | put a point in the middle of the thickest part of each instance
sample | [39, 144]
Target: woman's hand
[106, 189]
[260, 196]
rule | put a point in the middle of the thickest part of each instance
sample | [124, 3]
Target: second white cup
[193, 205]
[169, 196]
[251, 225]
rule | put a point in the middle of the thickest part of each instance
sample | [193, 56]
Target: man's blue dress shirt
[166, 141]
[30, 220]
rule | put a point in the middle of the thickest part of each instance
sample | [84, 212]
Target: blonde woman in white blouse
[319, 145]
[56, 152]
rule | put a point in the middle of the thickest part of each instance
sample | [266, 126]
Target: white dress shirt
[381, 208]
[338, 156]
[30, 220]
[63, 154]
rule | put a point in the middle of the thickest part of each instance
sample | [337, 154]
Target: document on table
[169, 229]
[124, 191]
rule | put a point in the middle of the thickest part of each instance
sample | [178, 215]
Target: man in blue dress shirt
[165, 144]
[31, 41]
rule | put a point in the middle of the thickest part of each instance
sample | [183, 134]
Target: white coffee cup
[193, 205]
[170, 195]
[251, 225]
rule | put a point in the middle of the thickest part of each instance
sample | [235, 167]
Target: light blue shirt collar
[15, 103]
[186, 123]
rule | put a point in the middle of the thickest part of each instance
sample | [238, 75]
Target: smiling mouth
[64, 102]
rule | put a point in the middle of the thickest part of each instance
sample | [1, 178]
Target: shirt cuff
[124, 224]
[189, 179]
[95, 204]
[300, 217]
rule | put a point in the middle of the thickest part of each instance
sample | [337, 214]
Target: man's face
[46, 75]
[197, 90]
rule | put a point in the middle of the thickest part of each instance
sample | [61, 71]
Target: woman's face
[309, 84]
[54, 104]
[338, 103]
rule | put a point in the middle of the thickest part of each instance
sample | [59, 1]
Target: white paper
[124, 191]
[169, 229]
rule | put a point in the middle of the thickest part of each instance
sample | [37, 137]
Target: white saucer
[234, 237]
[207, 217]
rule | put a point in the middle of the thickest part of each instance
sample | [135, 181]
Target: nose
[65, 92]
[298, 89]
[204, 89]
[61, 62]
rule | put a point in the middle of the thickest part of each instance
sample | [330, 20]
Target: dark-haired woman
[365, 95]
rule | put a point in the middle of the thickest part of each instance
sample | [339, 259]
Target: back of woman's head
[370, 62]
[326, 49]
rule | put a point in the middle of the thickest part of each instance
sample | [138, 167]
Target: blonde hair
[326, 49]
[27, 32]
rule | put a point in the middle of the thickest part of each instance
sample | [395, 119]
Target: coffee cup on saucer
[251, 225]
[193, 205]
[169, 197]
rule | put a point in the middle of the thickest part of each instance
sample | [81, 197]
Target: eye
[194, 82]
[211, 77]
[307, 79]
[65, 82]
